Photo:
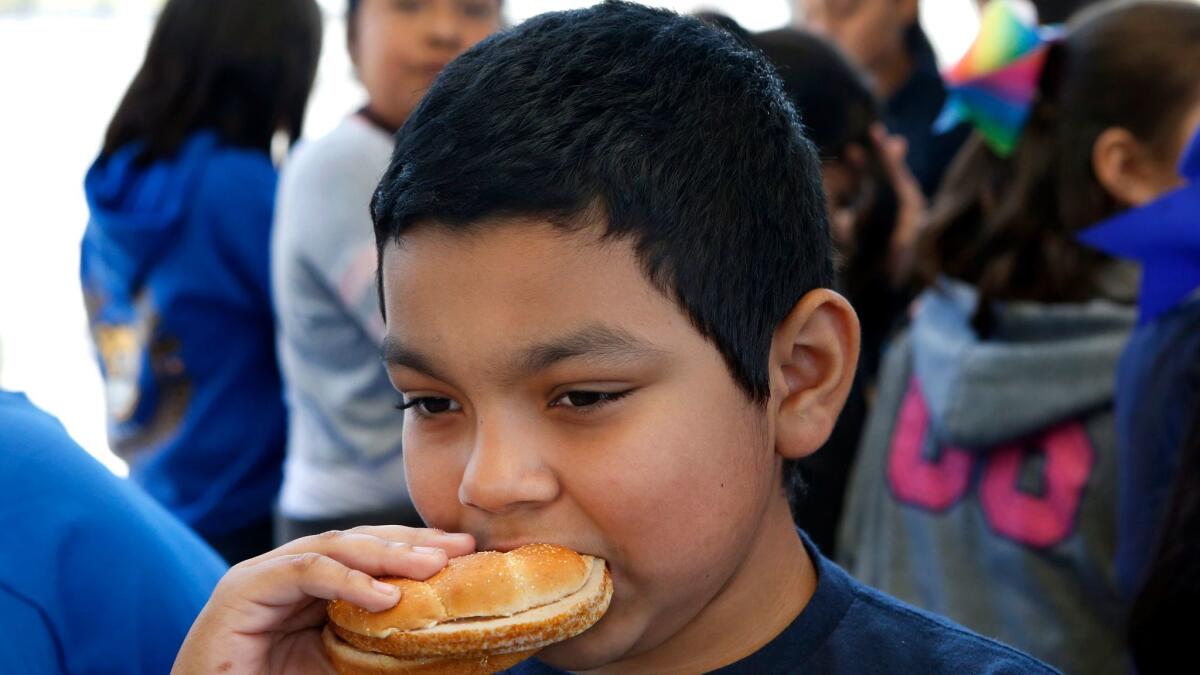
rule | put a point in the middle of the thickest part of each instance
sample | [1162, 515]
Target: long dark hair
[243, 68]
[1008, 226]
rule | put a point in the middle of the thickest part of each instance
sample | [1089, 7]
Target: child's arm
[911, 210]
[265, 614]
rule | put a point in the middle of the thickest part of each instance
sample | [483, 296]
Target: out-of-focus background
[64, 65]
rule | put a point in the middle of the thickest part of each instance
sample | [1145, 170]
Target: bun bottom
[348, 660]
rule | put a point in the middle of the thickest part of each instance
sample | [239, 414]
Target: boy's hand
[266, 614]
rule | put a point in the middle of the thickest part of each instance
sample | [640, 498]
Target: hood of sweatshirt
[136, 209]
[1045, 363]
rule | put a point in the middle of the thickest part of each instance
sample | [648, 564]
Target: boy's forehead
[532, 291]
[515, 251]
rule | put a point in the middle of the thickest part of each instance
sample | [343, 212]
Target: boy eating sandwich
[604, 270]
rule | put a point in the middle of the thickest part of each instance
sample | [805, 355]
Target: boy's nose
[506, 472]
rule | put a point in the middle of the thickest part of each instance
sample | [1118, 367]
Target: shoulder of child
[906, 639]
[338, 160]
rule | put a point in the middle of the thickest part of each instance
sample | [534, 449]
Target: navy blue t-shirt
[851, 628]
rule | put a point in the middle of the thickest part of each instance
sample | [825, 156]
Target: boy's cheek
[433, 488]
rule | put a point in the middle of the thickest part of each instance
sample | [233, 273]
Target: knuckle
[304, 562]
[331, 535]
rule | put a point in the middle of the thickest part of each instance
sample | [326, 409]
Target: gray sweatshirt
[344, 446]
[985, 486]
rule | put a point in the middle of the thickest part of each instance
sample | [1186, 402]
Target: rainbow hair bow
[994, 85]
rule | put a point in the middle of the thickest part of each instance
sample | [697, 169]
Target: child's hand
[911, 214]
[265, 615]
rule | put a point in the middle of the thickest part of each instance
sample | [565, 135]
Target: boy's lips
[504, 546]
[508, 545]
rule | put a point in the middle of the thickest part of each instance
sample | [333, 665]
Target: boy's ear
[1129, 170]
[814, 354]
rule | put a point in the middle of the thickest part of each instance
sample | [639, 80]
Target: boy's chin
[592, 649]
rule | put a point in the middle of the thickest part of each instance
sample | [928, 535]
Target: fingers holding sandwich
[341, 565]
[376, 545]
[265, 611]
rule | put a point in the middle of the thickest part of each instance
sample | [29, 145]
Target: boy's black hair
[657, 127]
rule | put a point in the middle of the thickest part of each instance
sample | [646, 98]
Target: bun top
[487, 584]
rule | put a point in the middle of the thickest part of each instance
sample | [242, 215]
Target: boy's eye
[587, 399]
[431, 405]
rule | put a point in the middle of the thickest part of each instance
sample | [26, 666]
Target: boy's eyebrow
[597, 342]
[396, 354]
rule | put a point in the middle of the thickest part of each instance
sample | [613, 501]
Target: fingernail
[427, 550]
[386, 589]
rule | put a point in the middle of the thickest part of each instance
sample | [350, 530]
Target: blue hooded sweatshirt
[175, 271]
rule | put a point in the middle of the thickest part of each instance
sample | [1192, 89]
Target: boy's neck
[763, 597]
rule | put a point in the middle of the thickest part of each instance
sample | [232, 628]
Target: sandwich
[483, 613]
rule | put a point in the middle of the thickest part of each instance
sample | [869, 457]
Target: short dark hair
[242, 69]
[676, 136]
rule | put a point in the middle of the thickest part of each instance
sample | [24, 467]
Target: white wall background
[62, 72]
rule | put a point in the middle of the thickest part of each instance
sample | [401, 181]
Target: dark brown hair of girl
[242, 68]
[1008, 226]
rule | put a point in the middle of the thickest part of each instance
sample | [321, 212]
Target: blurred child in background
[986, 485]
[1158, 400]
[885, 39]
[876, 209]
[175, 265]
[344, 459]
